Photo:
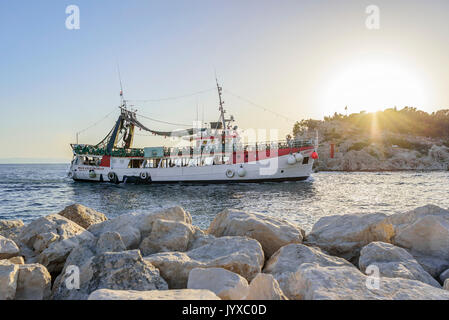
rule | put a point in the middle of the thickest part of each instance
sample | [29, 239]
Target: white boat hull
[272, 169]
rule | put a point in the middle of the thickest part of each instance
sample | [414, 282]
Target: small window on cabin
[305, 160]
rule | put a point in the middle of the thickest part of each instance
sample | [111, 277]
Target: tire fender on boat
[144, 175]
[241, 172]
[229, 173]
[299, 157]
[291, 160]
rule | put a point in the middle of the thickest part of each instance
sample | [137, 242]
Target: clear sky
[302, 59]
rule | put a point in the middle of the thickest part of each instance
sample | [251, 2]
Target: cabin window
[135, 163]
[305, 160]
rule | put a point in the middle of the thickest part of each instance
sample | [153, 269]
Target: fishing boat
[215, 154]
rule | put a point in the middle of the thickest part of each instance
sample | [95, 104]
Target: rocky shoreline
[79, 254]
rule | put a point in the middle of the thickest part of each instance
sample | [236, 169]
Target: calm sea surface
[30, 191]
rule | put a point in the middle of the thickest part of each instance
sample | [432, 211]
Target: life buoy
[92, 174]
[229, 173]
[144, 175]
[112, 176]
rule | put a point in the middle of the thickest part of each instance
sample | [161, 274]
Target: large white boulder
[8, 248]
[110, 270]
[185, 294]
[134, 227]
[315, 282]
[33, 282]
[9, 273]
[241, 255]
[11, 228]
[265, 287]
[167, 235]
[51, 238]
[225, 284]
[345, 235]
[394, 262]
[272, 233]
[83, 216]
[284, 264]
[424, 232]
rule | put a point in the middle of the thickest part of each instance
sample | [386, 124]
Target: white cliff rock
[225, 284]
[33, 282]
[83, 216]
[424, 232]
[284, 264]
[394, 262]
[8, 248]
[265, 287]
[345, 235]
[9, 273]
[167, 235]
[185, 294]
[241, 255]
[111, 270]
[272, 233]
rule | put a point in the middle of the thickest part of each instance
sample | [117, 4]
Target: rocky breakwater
[80, 254]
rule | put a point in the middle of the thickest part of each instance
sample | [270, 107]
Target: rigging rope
[259, 106]
[93, 125]
[172, 98]
[165, 122]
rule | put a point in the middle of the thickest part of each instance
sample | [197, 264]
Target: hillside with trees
[406, 139]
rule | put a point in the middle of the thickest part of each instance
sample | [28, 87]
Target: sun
[372, 86]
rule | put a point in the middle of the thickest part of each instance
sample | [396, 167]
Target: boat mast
[222, 111]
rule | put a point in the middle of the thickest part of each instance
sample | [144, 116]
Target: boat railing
[183, 151]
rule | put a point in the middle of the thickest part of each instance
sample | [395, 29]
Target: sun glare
[373, 86]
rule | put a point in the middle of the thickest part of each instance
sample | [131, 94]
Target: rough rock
[444, 275]
[33, 282]
[83, 216]
[17, 260]
[345, 235]
[265, 287]
[51, 238]
[315, 282]
[135, 227]
[225, 284]
[272, 233]
[241, 255]
[284, 264]
[111, 270]
[446, 284]
[167, 236]
[394, 262]
[424, 232]
[185, 294]
[11, 228]
[8, 248]
[9, 273]
[110, 242]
